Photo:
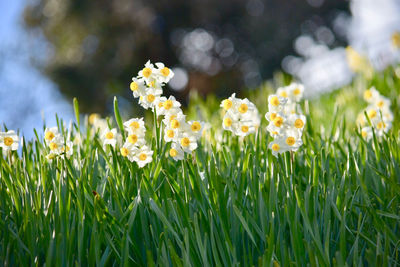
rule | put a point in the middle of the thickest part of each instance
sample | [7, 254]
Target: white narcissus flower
[50, 134]
[177, 122]
[138, 87]
[295, 92]
[154, 84]
[164, 74]
[366, 133]
[170, 105]
[244, 128]
[293, 139]
[196, 128]
[277, 125]
[135, 126]
[378, 113]
[382, 127]
[297, 121]
[159, 105]
[285, 124]
[229, 103]
[371, 94]
[170, 134]
[143, 156]
[188, 142]
[56, 145]
[228, 122]
[382, 103]
[148, 72]
[270, 116]
[176, 152]
[129, 151]
[283, 92]
[9, 141]
[241, 116]
[278, 146]
[67, 149]
[135, 139]
[150, 99]
[245, 108]
[110, 137]
[276, 103]
[173, 114]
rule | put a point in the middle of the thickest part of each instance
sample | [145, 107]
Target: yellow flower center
[275, 147]
[8, 141]
[227, 122]
[151, 98]
[124, 152]
[165, 71]
[243, 108]
[396, 39]
[275, 132]
[168, 104]
[381, 103]
[372, 114]
[227, 104]
[278, 121]
[380, 125]
[367, 94]
[185, 142]
[53, 146]
[160, 104]
[109, 135]
[92, 118]
[135, 125]
[142, 156]
[274, 101]
[283, 94]
[245, 128]
[173, 153]
[132, 138]
[50, 135]
[272, 116]
[364, 134]
[290, 141]
[175, 124]
[296, 91]
[134, 86]
[170, 133]
[196, 126]
[298, 123]
[146, 72]
[152, 84]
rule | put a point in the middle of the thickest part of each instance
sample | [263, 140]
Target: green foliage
[335, 202]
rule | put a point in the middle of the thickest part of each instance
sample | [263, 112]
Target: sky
[27, 98]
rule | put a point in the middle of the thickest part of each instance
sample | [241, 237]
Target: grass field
[231, 203]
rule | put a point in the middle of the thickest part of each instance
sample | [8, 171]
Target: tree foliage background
[95, 47]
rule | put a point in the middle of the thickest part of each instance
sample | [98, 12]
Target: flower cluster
[378, 112]
[135, 148]
[241, 116]
[9, 141]
[286, 123]
[147, 86]
[57, 144]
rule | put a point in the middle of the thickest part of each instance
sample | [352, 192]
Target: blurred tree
[225, 45]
